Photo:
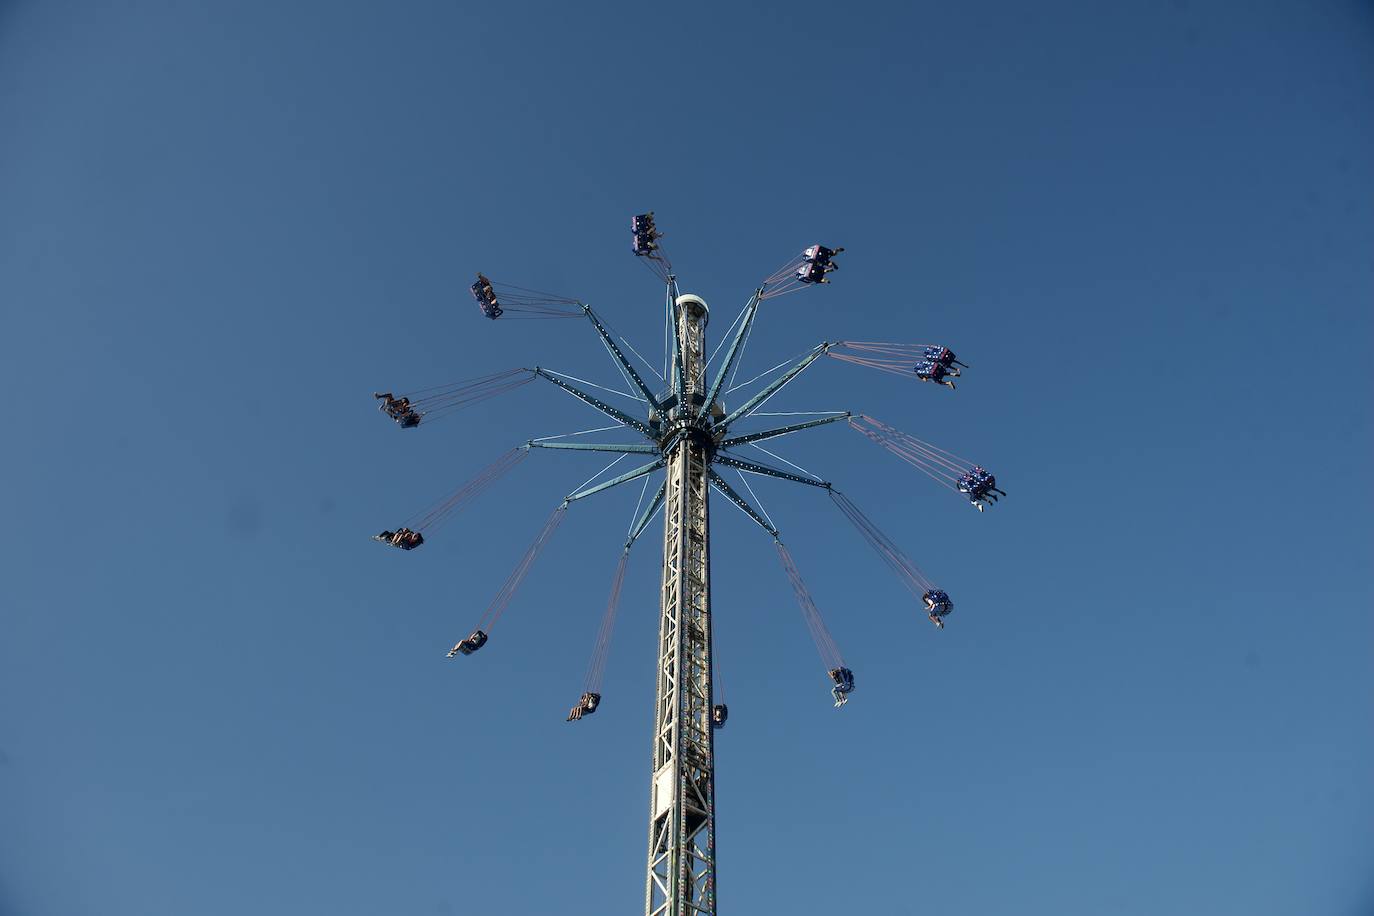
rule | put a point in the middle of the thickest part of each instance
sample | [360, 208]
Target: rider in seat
[585, 706]
[927, 370]
[398, 409]
[979, 486]
[844, 685]
[477, 640]
[819, 254]
[403, 538]
[938, 606]
[646, 234]
[812, 273]
[486, 298]
[817, 261]
[719, 713]
[393, 407]
[945, 357]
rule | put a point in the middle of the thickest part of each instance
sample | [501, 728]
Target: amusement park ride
[684, 428]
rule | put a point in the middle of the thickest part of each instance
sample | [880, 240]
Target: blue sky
[1146, 226]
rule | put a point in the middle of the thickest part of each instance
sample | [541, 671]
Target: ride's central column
[681, 865]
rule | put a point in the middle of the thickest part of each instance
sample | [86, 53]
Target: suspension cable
[596, 667]
[599, 473]
[585, 432]
[786, 362]
[430, 519]
[512, 302]
[582, 381]
[629, 346]
[940, 465]
[908, 572]
[786, 462]
[726, 336]
[820, 634]
[793, 413]
[744, 480]
[522, 569]
[639, 503]
[441, 400]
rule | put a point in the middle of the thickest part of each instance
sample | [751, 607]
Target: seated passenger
[409, 419]
[719, 713]
[937, 605]
[482, 290]
[987, 482]
[385, 537]
[585, 706]
[392, 406]
[930, 371]
[819, 254]
[969, 487]
[485, 295]
[945, 357]
[844, 685]
[406, 539]
[477, 640]
[646, 235]
[811, 272]
[979, 486]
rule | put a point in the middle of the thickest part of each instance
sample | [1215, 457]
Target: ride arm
[620, 358]
[643, 521]
[774, 386]
[617, 481]
[624, 449]
[679, 382]
[752, 468]
[750, 311]
[728, 492]
[783, 430]
[599, 404]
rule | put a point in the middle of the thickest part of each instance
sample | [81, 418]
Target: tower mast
[682, 843]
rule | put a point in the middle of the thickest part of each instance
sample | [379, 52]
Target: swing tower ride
[685, 429]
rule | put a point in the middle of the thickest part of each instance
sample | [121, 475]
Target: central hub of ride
[682, 417]
[698, 432]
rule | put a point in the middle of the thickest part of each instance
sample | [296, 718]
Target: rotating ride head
[695, 306]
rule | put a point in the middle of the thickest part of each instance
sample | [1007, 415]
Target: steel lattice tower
[688, 429]
[682, 848]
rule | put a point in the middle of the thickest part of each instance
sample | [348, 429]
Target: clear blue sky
[1147, 226]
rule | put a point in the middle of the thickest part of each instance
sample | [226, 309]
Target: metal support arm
[770, 472]
[617, 481]
[729, 493]
[599, 404]
[643, 521]
[774, 386]
[750, 311]
[677, 380]
[783, 430]
[624, 449]
[620, 358]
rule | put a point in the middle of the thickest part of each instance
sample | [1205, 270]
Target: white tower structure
[682, 848]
